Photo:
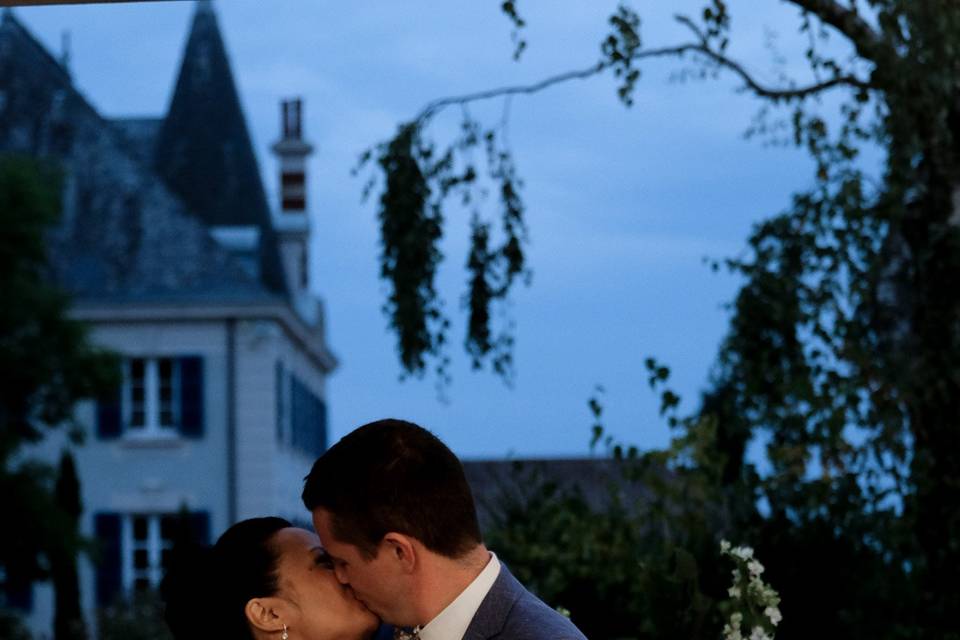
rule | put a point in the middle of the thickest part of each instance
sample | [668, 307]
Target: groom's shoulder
[530, 618]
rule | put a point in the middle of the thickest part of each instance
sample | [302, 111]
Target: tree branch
[866, 41]
[762, 91]
[437, 105]
[794, 93]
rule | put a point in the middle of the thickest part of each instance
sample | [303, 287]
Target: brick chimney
[292, 220]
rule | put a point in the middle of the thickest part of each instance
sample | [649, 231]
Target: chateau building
[174, 257]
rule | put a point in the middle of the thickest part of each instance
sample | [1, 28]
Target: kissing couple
[397, 554]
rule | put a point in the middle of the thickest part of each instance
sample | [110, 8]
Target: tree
[48, 366]
[68, 618]
[844, 345]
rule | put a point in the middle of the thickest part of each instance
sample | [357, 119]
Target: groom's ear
[265, 614]
[402, 549]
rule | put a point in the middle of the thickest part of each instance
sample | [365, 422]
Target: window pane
[140, 528]
[140, 559]
[141, 584]
[166, 380]
[137, 373]
[165, 369]
[165, 559]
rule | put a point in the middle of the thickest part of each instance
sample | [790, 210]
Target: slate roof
[512, 480]
[203, 149]
[140, 135]
[126, 234]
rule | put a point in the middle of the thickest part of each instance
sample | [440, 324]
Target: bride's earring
[284, 636]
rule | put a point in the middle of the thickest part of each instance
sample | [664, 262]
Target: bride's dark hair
[207, 588]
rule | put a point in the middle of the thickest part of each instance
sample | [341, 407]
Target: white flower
[755, 568]
[734, 592]
[724, 546]
[774, 614]
[729, 633]
[744, 553]
[759, 634]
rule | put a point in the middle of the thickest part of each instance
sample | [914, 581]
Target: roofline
[142, 312]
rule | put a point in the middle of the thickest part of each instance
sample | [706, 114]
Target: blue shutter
[107, 530]
[109, 415]
[191, 397]
[199, 523]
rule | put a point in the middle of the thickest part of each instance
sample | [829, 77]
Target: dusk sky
[622, 204]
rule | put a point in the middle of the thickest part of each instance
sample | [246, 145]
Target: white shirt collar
[452, 622]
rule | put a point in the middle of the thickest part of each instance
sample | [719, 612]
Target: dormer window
[243, 243]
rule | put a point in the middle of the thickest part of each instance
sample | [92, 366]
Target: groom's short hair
[394, 476]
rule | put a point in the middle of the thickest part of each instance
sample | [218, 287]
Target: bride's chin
[372, 625]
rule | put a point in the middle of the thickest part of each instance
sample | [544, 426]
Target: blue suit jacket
[510, 612]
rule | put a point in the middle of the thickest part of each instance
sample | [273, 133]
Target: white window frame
[154, 545]
[152, 427]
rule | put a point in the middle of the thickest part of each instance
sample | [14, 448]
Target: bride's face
[322, 607]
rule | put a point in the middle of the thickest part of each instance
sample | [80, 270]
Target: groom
[393, 509]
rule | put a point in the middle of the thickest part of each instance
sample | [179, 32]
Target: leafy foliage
[606, 563]
[11, 627]
[842, 359]
[417, 181]
[49, 363]
[68, 623]
[48, 366]
[137, 618]
[509, 8]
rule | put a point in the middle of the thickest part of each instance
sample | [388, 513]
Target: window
[151, 389]
[292, 179]
[301, 415]
[161, 397]
[147, 542]
[294, 203]
[135, 549]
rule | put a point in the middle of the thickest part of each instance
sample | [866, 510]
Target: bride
[263, 580]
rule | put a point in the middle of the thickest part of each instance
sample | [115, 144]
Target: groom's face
[375, 581]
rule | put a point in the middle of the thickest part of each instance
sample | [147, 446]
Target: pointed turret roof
[122, 236]
[203, 150]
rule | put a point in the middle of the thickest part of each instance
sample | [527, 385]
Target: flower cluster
[755, 603]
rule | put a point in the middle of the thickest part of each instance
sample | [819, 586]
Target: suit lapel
[492, 614]
[385, 632]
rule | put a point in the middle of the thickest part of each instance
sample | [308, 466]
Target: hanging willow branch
[416, 180]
